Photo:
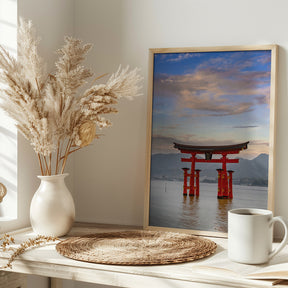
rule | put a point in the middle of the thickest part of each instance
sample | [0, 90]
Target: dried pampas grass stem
[48, 108]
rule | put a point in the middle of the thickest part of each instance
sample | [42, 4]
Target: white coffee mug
[250, 235]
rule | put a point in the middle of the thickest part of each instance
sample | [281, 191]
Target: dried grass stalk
[47, 108]
[8, 240]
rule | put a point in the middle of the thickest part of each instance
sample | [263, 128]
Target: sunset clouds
[210, 94]
[210, 89]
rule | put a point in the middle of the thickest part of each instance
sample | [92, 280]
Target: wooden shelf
[208, 272]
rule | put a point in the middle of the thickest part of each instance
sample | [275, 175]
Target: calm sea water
[169, 208]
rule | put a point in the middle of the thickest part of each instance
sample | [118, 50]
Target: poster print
[211, 132]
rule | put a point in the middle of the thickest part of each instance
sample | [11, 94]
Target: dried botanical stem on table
[8, 240]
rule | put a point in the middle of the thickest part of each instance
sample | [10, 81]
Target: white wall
[110, 174]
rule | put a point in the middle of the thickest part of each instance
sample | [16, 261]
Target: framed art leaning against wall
[210, 135]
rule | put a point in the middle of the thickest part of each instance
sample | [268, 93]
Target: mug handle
[285, 238]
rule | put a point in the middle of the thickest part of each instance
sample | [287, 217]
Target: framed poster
[210, 135]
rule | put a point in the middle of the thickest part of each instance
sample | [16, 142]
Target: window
[8, 132]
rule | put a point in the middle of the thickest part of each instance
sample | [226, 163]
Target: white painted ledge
[7, 219]
[204, 273]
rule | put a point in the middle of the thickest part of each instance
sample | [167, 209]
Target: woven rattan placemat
[137, 247]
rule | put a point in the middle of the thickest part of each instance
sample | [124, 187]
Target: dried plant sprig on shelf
[38, 241]
[6, 241]
[47, 108]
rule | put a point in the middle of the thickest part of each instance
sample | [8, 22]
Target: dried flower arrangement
[46, 108]
[6, 242]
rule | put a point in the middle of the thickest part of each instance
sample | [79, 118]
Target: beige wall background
[108, 178]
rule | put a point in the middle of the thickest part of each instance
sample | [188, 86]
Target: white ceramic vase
[52, 210]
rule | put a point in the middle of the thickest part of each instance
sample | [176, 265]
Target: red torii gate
[224, 178]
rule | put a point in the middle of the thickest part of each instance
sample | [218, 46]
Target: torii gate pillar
[185, 186]
[219, 194]
[230, 185]
[197, 180]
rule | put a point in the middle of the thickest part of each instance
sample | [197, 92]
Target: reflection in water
[169, 208]
[190, 209]
[224, 205]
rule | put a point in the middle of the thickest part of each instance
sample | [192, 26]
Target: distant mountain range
[247, 172]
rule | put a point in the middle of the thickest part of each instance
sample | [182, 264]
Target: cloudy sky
[211, 98]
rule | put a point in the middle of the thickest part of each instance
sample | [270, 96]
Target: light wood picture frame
[210, 135]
